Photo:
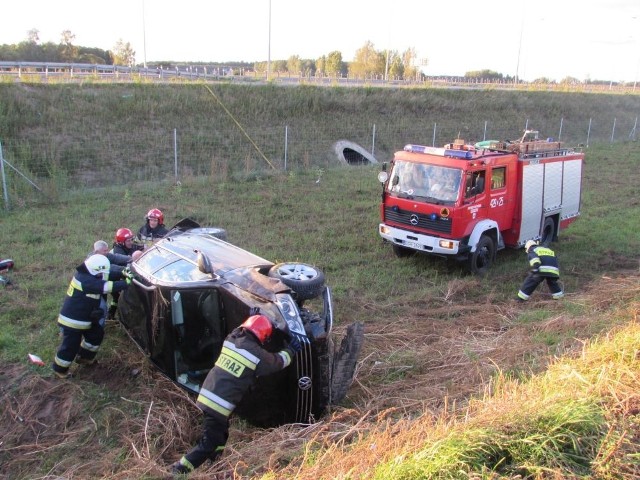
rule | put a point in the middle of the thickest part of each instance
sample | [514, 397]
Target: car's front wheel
[305, 280]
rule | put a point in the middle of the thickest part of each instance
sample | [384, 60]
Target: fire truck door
[500, 206]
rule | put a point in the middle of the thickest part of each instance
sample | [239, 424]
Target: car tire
[345, 360]
[548, 231]
[482, 258]
[305, 280]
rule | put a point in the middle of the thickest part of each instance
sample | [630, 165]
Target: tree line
[368, 62]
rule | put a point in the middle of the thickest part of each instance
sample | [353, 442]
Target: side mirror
[204, 265]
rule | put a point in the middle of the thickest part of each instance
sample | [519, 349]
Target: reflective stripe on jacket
[242, 359]
[544, 260]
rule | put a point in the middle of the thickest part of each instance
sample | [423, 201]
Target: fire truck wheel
[548, 230]
[481, 260]
[402, 252]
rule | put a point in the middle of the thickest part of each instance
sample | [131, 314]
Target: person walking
[80, 315]
[242, 360]
[544, 266]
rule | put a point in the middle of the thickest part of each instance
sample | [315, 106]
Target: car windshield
[168, 267]
[433, 182]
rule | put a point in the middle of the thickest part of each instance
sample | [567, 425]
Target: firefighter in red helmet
[154, 228]
[243, 359]
[124, 243]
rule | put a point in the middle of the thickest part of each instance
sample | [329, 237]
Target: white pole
[286, 145]
[269, 46]
[144, 38]
[175, 153]
[4, 181]
[373, 140]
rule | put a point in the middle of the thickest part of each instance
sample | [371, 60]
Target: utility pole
[269, 46]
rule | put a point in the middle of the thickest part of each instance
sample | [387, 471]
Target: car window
[154, 259]
[180, 271]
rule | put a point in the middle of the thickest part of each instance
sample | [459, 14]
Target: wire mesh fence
[43, 165]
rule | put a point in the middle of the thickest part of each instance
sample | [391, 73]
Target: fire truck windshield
[433, 182]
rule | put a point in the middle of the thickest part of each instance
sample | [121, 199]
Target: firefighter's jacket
[82, 303]
[241, 361]
[543, 261]
[147, 235]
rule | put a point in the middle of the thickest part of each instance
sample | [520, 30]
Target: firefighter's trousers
[83, 343]
[212, 442]
[533, 280]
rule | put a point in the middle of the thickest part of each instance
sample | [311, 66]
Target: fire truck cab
[469, 201]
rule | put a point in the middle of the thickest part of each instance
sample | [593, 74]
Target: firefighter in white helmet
[242, 360]
[544, 266]
[81, 313]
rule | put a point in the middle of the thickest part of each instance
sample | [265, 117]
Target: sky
[584, 39]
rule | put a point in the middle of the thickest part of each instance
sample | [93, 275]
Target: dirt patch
[122, 419]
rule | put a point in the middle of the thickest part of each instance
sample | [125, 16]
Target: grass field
[435, 338]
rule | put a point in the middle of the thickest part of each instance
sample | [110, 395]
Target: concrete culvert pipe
[351, 153]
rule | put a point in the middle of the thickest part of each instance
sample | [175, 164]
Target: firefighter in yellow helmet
[243, 359]
[544, 266]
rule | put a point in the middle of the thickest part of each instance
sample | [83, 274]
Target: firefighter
[80, 314]
[242, 360]
[154, 228]
[124, 244]
[544, 266]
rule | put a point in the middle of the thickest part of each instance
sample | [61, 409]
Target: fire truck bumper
[418, 241]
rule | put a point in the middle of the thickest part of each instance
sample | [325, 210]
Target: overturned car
[192, 288]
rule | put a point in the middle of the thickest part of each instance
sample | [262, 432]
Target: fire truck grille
[414, 220]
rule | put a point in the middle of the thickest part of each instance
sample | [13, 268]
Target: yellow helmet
[529, 244]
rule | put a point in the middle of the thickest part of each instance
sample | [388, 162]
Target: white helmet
[97, 264]
[529, 244]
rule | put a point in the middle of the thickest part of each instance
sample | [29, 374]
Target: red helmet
[260, 326]
[123, 234]
[155, 213]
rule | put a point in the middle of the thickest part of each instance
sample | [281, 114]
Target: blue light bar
[423, 149]
[466, 154]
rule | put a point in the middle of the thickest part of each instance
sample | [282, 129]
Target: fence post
[588, 132]
[4, 180]
[484, 135]
[286, 145]
[632, 133]
[560, 132]
[433, 140]
[373, 141]
[175, 153]
[613, 129]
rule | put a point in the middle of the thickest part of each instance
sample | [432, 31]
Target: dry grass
[416, 375]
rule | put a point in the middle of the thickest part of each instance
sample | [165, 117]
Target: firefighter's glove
[127, 273]
[127, 280]
[254, 311]
[295, 345]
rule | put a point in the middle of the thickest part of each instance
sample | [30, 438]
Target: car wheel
[306, 281]
[345, 360]
[481, 260]
[548, 230]
[402, 252]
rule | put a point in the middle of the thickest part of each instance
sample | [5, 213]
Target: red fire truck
[469, 201]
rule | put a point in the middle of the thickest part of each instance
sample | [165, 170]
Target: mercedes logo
[413, 219]
[304, 383]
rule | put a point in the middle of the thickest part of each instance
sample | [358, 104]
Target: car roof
[224, 256]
